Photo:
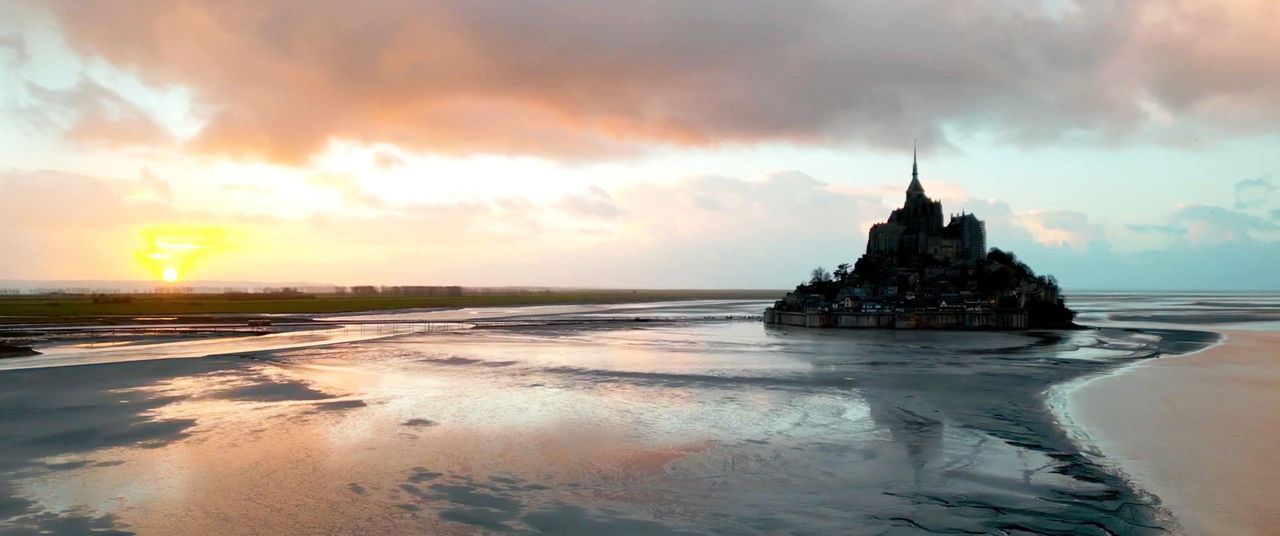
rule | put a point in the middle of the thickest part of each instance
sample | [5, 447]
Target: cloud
[56, 224]
[761, 234]
[151, 188]
[348, 188]
[387, 160]
[1214, 225]
[594, 203]
[1197, 248]
[1226, 79]
[40, 199]
[91, 113]
[105, 118]
[247, 188]
[698, 231]
[1251, 193]
[581, 79]
[1175, 267]
[1168, 229]
[717, 231]
[1061, 228]
[1202, 225]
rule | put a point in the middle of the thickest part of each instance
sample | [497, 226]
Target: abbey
[916, 229]
[918, 273]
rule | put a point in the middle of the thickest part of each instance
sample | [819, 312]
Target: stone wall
[785, 318]
[917, 320]
[864, 320]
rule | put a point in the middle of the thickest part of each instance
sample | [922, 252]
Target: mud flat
[1201, 431]
[681, 427]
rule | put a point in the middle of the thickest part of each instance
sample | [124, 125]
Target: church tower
[919, 215]
[913, 228]
[915, 190]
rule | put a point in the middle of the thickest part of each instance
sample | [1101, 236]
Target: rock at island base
[9, 350]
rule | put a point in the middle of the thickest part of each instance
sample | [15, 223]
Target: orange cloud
[582, 79]
[1227, 76]
[1061, 228]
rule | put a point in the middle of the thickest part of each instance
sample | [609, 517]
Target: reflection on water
[728, 427]
[98, 352]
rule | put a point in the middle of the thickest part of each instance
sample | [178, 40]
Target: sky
[658, 144]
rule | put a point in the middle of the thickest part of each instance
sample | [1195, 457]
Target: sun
[171, 252]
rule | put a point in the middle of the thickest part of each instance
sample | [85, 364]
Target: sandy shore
[1201, 431]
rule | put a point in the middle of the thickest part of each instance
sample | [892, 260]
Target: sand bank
[1201, 431]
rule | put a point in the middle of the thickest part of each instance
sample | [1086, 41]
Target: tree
[842, 272]
[819, 275]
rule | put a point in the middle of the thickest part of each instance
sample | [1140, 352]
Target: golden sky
[672, 144]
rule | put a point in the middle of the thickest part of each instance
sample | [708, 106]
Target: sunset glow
[641, 267]
[171, 252]
[461, 145]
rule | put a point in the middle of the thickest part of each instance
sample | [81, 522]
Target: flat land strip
[80, 308]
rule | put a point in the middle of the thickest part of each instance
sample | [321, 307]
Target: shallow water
[699, 427]
[95, 352]
[1194, 310]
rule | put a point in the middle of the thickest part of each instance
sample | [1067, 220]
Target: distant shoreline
[82, 309]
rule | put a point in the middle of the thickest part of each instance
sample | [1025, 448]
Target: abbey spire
[915, 173]
[915, 187]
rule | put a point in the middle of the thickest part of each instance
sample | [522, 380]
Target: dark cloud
[584, 79]
[90, 113]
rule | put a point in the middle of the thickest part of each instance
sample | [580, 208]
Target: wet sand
[722, 427]
[1201, 431]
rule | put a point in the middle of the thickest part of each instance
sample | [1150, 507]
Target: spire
[915, 174]
[915, 187]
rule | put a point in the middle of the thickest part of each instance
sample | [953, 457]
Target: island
[917, 273]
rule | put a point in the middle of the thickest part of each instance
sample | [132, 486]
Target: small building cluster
[919, 273]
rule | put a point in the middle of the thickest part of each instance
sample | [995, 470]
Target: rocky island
[919, 273]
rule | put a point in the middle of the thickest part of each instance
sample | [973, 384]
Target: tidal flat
[1196, 429]
[665, 427]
